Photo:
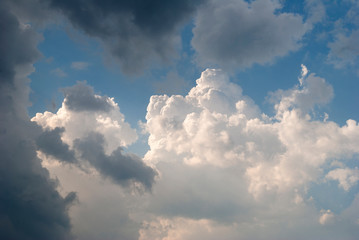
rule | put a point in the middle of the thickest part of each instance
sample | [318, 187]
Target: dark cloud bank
[30, 206]
[135, 32]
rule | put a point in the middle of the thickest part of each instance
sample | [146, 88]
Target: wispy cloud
[58, 72]
[80, 65]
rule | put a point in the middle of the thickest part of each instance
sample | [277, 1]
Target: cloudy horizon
[179, 120]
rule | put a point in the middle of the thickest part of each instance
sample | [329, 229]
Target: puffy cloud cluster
[91, 127]
[237, 34]
[233, 166]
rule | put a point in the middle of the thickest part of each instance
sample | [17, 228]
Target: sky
[179, 120]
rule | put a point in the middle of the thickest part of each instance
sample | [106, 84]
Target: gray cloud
[18, 45]
[344, 50]
[30, 206]
[81, 97]
[121, 168]
[237, 34]
[50, 143]
[136, 32]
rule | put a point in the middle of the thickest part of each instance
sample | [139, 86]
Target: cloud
[347, 177]
[58, 72]
[81, 97]
[344, 50]
[120, 167]
[172, 84]
[316, 11]
[312, 91]
[237, 34]
[326, 218]
[238, 170]
[79, 65]
[94, 128]
[31, 208]
[103, 209]
[50, 143]
[136, 33]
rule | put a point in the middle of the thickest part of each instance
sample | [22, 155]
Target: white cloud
[222, 163]
[83, 112]
[346, 177]
[312, 91]
[326, 218]
[79, 65]
[303, 74]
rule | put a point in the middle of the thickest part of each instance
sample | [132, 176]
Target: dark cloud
[81, 97]
[136, 32]
[121, 168]
[30, 206]
[18, 44]
[237, 34]
[50, 143]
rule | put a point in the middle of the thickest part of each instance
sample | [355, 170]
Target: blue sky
[181, 120]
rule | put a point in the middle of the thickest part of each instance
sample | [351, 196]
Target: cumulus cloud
[347, 177]
[243, 168]
[237, 34]
[31, 208]
[327, 217]
[312, 91]
[93, 127]
[81, 97]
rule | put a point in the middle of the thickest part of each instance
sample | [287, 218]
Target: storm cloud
[30, 206]
[135, 32]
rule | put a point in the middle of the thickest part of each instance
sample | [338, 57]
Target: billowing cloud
[241, 173]
[30, 206]
[93, 127]
[237, 34]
